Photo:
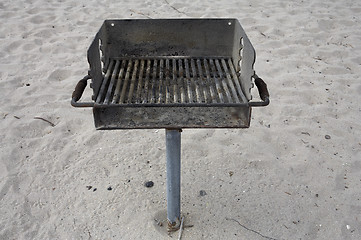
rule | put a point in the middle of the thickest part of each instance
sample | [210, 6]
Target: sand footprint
[59, 75]
[13, 46]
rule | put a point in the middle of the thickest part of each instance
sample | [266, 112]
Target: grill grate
[170, 80]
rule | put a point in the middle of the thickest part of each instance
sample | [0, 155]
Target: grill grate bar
[229, 80]
[126, 80]
[159, 81]
[105, 82]
[180, 84]
[119, 82]
[215, 77]
[111, 84]
[161, 73]
[167, 81]
[146, 85]
[174, 81]
[211, 88]
[224, 84]
[206, 98]
[196, 83]
[154, 79]
[140, 79]
[132, 84]
[235, 79]
[188, 82]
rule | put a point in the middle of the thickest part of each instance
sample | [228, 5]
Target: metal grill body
[170, 93]
[171, 73]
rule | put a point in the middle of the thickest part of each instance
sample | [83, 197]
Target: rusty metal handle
[78, 92]
[263, 93]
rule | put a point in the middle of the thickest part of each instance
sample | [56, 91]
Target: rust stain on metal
[172, 227]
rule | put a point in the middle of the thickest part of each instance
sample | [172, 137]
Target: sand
[294, 174]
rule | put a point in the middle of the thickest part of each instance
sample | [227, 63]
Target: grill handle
[78, 92]
[263, 93]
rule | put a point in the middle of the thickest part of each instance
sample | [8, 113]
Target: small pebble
[202, 193]
[149, 184]
[327, 136]
[28, 84]
[109, 188]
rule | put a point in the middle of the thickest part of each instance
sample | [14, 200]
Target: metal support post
[173, 154]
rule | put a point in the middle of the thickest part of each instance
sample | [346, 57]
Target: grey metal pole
[173, 154]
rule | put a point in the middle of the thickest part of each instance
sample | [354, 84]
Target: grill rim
[181, 117]
[247, 104]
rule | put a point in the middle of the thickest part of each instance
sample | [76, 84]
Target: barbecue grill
[172, 74]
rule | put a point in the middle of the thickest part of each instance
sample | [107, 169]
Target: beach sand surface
[294, 174]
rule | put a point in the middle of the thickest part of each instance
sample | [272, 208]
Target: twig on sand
[260, 234]
[140, 13]
[181, 229]
[40, 118]
[175, 8]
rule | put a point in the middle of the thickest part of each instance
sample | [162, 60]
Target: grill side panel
[244, 57]
[171, 117]
[96, 65]
[170, 37]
